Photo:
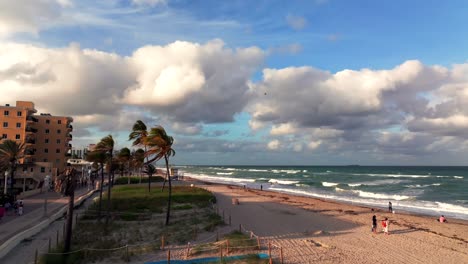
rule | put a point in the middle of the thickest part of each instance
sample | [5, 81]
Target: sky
[313, 82]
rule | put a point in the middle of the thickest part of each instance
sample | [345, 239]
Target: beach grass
[137, 220]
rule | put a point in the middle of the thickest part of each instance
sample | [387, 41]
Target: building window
[19, 113]
[42, 169]
[47, 131]
[46, 150]
[59, 131]
[45, 160]
[59, 122]
[57, 151]
[18, 125]
[47, 121]
[58, 141]
[57, 161]
[5, 124]
[18, 136]
[47, 141]
[4, 136]
[32, 169]
[6, 113]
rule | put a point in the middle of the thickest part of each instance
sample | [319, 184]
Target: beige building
[47, 140]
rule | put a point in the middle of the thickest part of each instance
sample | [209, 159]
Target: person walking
[374, 224]
[385, 225]
[390, 209]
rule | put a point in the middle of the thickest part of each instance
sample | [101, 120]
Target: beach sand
[317, 231]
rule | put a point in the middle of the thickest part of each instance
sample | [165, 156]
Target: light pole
[6, 182]
[47, 185]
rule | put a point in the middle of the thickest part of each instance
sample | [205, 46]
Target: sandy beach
[318, 231]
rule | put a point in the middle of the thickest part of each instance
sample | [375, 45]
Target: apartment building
[47, 142]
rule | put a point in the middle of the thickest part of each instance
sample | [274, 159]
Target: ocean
[426, 190]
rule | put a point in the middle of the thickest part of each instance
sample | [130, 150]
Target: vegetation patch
[137, 221]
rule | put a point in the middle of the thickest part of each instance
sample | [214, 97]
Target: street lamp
[47, 187]
[6, 181]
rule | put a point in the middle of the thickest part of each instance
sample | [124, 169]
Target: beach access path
[316, 231]
[34, 213]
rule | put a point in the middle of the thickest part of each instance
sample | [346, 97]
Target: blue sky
[263, 82]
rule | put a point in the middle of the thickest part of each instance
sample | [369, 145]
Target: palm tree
[138, 135]
[10, 153]
[161, 147]
[98, 157]
[124, 159]
[138, 159]
[106, 145]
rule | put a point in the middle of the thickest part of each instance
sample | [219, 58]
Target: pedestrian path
[34, 213]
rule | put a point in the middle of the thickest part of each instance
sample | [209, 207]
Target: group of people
[385, 225]
[385, 222]
[17, 206]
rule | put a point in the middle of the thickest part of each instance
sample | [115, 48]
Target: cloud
[149, 2]
[187, 80]
[28, 16]
[274, 144]
[296, 22]
[294, 48]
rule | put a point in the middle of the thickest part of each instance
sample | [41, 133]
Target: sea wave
[382, 196]
[215, 179]
[257, 170]
[418, 185]
[224, 173]
[458, 177]
[354, 184]
[282, 182]
[377, 182]
[433, 208]
[329, 184]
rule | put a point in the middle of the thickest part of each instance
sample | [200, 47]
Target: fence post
[169, 256]
[162, 242]
[281, 255]
[127, 257]
[50, 244]
[258, 242]
[269, 250]
[56, 245]
[221, 253]
[227, 247]
[217, 235]
[240, 228]
[35, 257]
[64, 230]
[188, 250]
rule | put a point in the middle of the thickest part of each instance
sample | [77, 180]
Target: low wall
[11, 243]
[28, 193]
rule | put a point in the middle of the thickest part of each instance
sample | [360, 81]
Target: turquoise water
[428, 190]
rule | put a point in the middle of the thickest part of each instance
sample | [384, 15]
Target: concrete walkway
[34, 212]
[24, 252]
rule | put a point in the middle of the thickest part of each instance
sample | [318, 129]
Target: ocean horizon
[430, 190]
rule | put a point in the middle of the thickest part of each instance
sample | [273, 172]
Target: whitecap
[458, 177]
[329, 184]
[224, 173]
[282, 181]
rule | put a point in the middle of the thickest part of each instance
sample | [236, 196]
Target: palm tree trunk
[149, 181]
[68, 235]
[164, 183]
[12, 177]
[100, 192]
[109, 186]
[170, 192]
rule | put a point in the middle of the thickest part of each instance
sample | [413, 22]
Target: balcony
[69, 136]
[68, 146]
[29, 152]
[31, 130]
[70, 128]
[31, 119]
[30, 141]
